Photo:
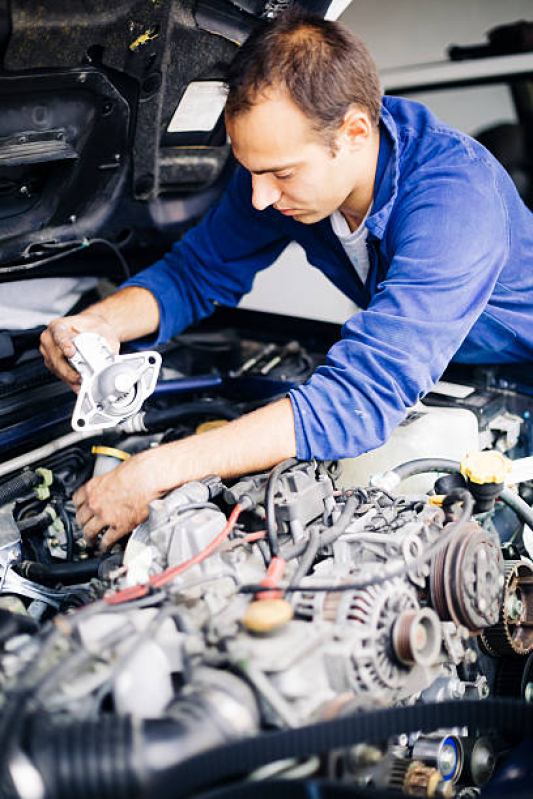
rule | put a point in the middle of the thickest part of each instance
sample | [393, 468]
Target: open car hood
[112, 126]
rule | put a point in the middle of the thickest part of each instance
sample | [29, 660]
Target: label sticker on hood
[199, 108]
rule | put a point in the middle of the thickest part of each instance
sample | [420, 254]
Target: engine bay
[285, 627]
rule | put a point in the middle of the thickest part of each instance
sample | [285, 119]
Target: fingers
[103, 507]
[56, 343]
[110, 537]
[56, 347]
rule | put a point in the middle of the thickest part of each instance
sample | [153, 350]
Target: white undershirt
[354, 243]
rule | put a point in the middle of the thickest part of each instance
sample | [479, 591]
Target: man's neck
[357, 204]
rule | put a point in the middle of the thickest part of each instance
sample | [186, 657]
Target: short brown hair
[322, 65]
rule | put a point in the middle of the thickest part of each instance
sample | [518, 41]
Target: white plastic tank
[427, 432]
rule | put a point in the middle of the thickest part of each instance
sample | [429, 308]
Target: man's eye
[284, 176]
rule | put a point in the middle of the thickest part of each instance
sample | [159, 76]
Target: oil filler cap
[485, 474]
[486, 467]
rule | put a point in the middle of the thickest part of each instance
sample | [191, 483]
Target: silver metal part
[113, 387]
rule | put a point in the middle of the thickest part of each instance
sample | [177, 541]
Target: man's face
[293, 169]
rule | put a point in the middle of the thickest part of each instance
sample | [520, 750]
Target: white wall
[398, 33]
[403, 32]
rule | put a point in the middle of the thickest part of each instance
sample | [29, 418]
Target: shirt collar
[387, 175]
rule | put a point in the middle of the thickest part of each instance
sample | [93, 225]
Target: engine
[279, 626]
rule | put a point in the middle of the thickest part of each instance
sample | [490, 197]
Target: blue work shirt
[450, 247]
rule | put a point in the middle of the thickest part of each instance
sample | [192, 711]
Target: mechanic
[415, 221]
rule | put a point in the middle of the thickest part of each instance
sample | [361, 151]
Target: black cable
[6, 270]
[331, 533]
[388, 573]
[308, 558]
[67, 524]
[272, 528]
[265, 551]
[124, 264]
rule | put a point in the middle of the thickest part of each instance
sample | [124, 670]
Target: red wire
[164, 577]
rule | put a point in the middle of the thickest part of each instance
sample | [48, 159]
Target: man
[414, 221]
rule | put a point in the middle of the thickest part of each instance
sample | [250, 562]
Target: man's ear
[356, 128]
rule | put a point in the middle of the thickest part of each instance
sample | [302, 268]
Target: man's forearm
[119, 500]
[133, 312]
[254, 442]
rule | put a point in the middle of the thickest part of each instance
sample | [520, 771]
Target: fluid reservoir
[427, 432]
[107, 459]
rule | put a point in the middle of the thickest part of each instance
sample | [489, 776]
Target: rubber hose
[88, 759]
[118, 757]
[102, 759]
[331, 534]
[67, 526]
[66, 573]
[35, 524]
[519, 505]
[18, 486]
[272, 528]
[422, 465]
[508, 497]
[308, 558]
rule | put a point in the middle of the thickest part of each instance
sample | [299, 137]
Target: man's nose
[265, 192]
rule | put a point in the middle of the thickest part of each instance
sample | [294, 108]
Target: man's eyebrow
[273, 169]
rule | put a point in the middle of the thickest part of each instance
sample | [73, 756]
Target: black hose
[155, 420]
[270, 510]
[67, 524]
[17, 486]
[519, 505]
[331, 533]
[422, 465]
[117, 757]
[65, 573]
[389, 571]
[308, 558]
[265, 552]
[35, 524]
[508, 497]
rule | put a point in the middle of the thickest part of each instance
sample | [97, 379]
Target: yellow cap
[267, 615]
[486, 467]
[205, 426]
[111, 452]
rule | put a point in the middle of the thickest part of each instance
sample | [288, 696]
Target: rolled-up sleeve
[447, 241]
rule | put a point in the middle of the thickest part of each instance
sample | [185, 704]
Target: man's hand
[130, 313]
[118, 501]
[56, 343]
